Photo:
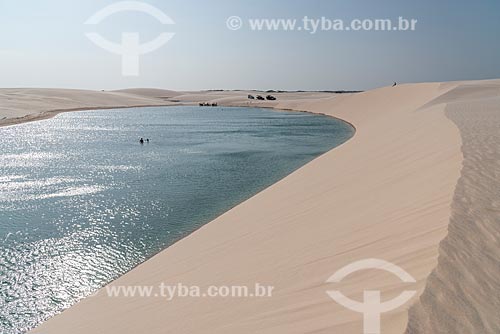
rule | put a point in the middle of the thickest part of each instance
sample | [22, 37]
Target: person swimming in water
[147, 140]
[141, 140]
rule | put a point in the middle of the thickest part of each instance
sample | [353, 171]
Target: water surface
[82, 201]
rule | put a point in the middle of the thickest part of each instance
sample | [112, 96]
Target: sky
[44, 44]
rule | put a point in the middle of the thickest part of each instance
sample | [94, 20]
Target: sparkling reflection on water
[82, 202]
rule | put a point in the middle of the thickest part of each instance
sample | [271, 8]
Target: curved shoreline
[296, 233]
[344, 131]
[53, 113]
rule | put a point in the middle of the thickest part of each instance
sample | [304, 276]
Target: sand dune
[462, 294]
[20, 105]
[149, 92]
[388, 193]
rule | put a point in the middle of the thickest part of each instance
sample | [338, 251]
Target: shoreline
[296, 233]
[53, 113]
[57, 112]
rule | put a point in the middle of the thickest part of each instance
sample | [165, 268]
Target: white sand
[18, 105]
[462, 295]
[384, 194]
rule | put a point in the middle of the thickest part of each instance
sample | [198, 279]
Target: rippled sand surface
[462, 294]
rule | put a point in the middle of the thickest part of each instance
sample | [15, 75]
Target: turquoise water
[82, 201]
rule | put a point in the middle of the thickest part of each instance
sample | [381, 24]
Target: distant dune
[18, 105]
[150, 92]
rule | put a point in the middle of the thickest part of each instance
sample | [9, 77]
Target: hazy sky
[43, 44]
